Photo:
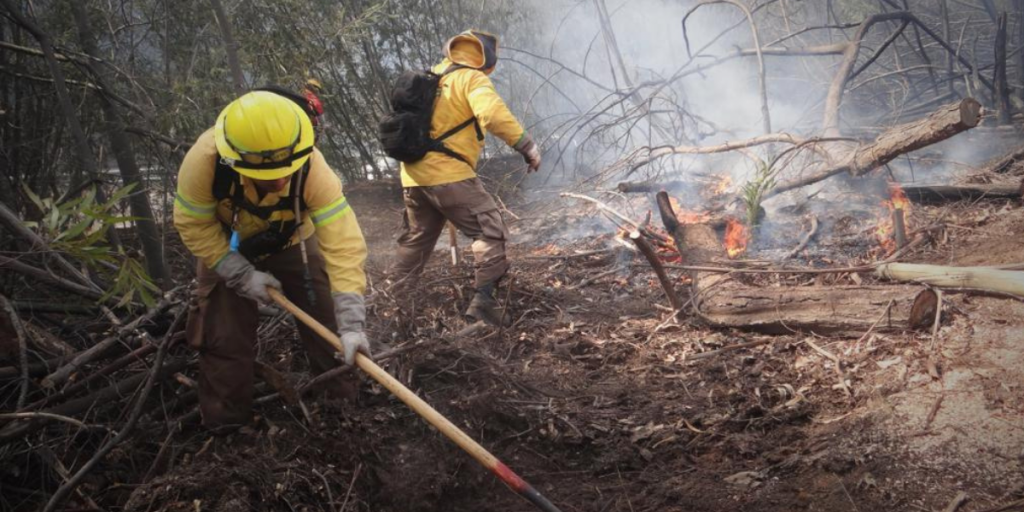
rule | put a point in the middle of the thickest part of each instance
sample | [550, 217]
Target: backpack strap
[439, 142]
[227, 184]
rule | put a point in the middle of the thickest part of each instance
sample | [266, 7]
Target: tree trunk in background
[944, 11]
[83, 153]
[7, 93]
[230, 45]
[82, 150]
[1002, 86]
[124, 153]
[1020, 52]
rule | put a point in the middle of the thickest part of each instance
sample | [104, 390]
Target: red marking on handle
[510, 477]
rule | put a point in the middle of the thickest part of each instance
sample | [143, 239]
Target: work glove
[530, 152]
[350, 311]
[244, 279]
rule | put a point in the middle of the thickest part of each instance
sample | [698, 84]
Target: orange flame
[899, 198]
[736, 238]
[687, 216]
[884, 233]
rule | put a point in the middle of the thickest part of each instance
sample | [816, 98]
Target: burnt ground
[604, 406]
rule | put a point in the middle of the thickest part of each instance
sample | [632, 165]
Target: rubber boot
[486, 308]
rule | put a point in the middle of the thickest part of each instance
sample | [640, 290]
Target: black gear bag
[404, 133]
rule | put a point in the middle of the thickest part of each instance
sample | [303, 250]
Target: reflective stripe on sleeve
[330, 212]
[194, 210]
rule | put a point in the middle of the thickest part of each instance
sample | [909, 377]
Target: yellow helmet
[313, 82]
[264, 136]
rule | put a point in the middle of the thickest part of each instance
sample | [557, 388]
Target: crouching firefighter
[258, 206]
[437, 130]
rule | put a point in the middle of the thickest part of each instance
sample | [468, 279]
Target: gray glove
[350, 311]
[244, 279]
[530, 152]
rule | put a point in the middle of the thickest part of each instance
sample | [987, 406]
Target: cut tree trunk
[947, 193]
[987, 279]
[941, 125]
[843, 310]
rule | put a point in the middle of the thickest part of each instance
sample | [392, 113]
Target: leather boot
[486, 308]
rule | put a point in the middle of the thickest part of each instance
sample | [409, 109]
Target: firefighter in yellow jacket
[443, 185]
[258, 206]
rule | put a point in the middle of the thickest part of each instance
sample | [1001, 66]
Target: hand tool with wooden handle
[422, 408]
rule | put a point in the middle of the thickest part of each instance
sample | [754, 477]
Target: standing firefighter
[258, 206]
[437, 131]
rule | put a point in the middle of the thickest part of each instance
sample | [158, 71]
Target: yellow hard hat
[313, 82]
[264, 136]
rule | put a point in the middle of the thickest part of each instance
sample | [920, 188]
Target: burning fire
[885, 230]
[687, 216]
[736, 238]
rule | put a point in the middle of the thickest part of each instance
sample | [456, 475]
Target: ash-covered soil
[604, 405]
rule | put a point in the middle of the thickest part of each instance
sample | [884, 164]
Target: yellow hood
[473, 49]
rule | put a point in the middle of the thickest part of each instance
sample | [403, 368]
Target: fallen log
[49, 278]
[946, 193]
[108, 395]
[92, 353]
[34, 369]
[987, 279]
[841, 310]
[941, 125]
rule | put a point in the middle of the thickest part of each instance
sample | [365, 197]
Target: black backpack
[404, 133]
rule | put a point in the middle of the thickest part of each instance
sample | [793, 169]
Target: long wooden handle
[422, 408]
[453, 244]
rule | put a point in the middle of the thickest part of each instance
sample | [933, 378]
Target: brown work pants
[467, 206]
[222, 326]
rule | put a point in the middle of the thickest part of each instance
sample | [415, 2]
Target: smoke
[565, 79]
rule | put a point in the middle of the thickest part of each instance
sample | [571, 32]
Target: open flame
[736, 238]
[885, 232]
[685, 216]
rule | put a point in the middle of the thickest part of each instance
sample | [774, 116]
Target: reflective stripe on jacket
[200, 218]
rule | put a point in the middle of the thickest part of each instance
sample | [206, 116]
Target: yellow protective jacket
[465, 93]
[200, 219]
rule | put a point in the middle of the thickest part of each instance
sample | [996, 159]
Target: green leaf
[120, 194]
[75, 230]
[35, 199]
[53, 221]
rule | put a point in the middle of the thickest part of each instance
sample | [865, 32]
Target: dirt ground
[603, 405]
